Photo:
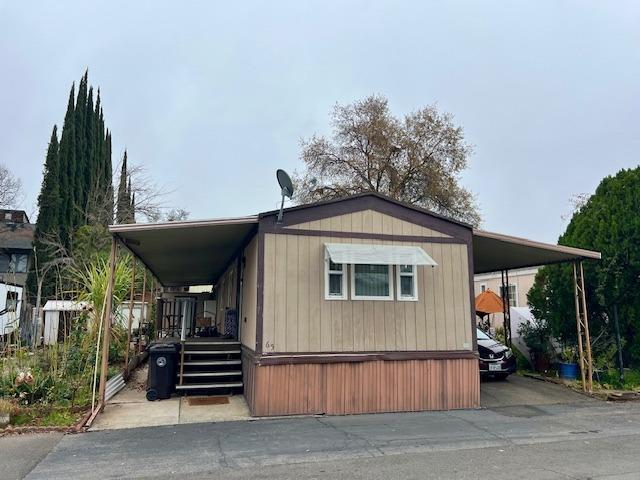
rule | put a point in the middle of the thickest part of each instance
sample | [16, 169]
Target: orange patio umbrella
[488, 302]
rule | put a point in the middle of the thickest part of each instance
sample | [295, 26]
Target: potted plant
[568, 366]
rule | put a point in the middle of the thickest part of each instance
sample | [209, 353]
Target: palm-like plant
[92, 283]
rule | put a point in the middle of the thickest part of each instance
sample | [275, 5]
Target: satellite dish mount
[286, 187]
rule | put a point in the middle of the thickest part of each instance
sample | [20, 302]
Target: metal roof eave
[495, 251]
[139, 227]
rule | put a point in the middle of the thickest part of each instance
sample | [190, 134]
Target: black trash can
[163, 364]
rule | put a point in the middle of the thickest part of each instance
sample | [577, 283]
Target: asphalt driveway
[524, 391]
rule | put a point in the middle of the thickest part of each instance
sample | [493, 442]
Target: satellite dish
[286, 187]
[285, 183]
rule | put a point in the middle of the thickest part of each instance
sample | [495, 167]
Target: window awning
[378, 254]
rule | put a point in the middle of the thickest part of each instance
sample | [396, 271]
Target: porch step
[211, 366]
[212, 374]
[197, 386]
[211, 362]
[211, 352]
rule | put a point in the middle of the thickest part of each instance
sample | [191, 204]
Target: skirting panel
[361, 387]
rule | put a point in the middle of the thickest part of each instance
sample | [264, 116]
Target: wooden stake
[131, 295]
[579, 326]
[148, 312]
[142, 310]
[106, 330]
[587, 337]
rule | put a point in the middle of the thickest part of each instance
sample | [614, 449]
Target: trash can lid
[163, 347]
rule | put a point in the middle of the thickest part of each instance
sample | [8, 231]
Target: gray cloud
[213, 97]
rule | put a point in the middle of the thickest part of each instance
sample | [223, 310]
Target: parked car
[496, 359]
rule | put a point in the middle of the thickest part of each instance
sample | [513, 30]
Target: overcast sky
[212, 97]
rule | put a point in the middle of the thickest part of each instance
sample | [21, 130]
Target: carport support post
[143, 310]
[106, 318]
[506, 307]
[582, 326]
[148, 312]
[131, 295]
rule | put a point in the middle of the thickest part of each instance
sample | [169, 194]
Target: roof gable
[369, 221]
[368, 213]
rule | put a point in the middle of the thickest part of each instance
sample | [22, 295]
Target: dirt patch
[138, 380]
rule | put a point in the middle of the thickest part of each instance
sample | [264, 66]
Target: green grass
[44, 418]
[610, 379]
[60, 418]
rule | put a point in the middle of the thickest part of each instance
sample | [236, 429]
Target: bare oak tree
[417, 159]
[10, 188]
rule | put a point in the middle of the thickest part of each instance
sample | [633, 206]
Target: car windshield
[482, 336]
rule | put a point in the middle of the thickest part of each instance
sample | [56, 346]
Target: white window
[18, 263]
[371, 282]
[483, 287]
[11, 303]
[335, 280]
[407, 282]
[513, 295]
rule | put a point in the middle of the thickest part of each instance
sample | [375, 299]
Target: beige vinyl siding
[249, 295]
[369, 221]
[297, 318]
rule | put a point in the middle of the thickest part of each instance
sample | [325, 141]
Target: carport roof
[493, 252]
[187, 253]
[197, 252]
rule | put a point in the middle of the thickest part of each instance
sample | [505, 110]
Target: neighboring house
[10, 302]
[16, 247]
[520, 282]
[356, 305]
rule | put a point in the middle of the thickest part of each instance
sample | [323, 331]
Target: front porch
[209, 361]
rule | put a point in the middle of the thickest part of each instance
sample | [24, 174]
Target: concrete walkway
[130, 409]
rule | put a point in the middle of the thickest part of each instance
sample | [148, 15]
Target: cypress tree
[49, 205]
[108, 175]
[123, 201]
[77, 188]
[49, 198]
[80, 192]
[129, 210]
[99, 140]
[91, 160]
[133, 208]
[67, 169]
